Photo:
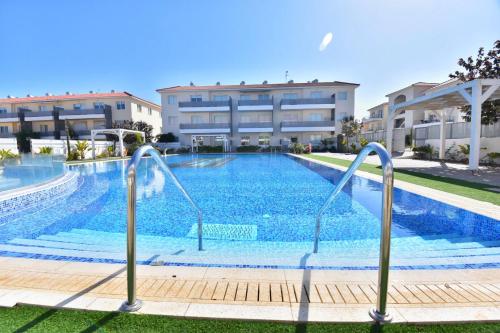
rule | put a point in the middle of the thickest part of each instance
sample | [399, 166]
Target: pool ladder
[132, 303]
[378, 314]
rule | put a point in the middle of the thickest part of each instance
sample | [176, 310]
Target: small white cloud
[326, 41]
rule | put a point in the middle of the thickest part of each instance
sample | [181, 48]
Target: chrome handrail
[378, 314]
[132, 303]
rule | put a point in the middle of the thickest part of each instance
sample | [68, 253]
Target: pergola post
[120, 138]
[442, 135]
[92, 137]
[475, 128]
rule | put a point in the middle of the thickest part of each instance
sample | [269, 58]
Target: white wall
[490, 144]
[9, 144]
[59, 146]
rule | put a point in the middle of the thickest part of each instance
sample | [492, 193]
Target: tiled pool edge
[472, 205]
[25, 198]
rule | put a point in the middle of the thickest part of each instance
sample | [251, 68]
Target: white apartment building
[257, 114]
[46, 115]
[377, 119]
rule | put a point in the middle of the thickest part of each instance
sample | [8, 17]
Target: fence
[59, 147]
[398, 138]
[453, 131]
[9, 144]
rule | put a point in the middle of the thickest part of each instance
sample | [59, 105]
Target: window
[264, 97]
[316, 94]
[44, 128]
[99, 105]
[264, 140]
[4, 130]
[342, 95]
[172, 121]
[315, 117]
[196, 120]
[99, 125]
[294, 139]
[120, 105]
[139, 108]
[196, 98]
[245, 118]
[3, 110]
[77, 106]
[58, 108]
[265, 118]
[150, 112]
[291, 117]
[172, 99]
[220, 119]
[290, 96]
[342, 115]
[43, 108]
[221, 98]
[315, 138]
[245, 97]
[245, 140]
[80, 126]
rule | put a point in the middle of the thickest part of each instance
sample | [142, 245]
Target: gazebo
[473, 93]
[120, 132]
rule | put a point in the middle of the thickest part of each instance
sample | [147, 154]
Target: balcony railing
[6, 135]
[38, 115]
[256, 105]
[77, 132]
[46, 134]
[304, 126]
[265, 124]
[298, 103]
[8, 117]
[205, 106]
[205, 126]
[80, 114]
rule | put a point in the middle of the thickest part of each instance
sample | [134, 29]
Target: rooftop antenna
[286, 76]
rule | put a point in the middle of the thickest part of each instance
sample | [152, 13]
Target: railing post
[132, 303]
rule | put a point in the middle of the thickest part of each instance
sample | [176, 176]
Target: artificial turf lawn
[40, 319]
[464, 188]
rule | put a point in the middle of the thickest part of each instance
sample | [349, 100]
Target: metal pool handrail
[379, 313]
[132, 303]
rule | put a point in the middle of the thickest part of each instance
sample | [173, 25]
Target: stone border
[479, 207]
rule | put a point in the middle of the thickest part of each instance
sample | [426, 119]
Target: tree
[168, 137]
[485, 66]
[136, 126]
[351, 128]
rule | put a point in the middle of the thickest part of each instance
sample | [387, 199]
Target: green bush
[297, 148]
[45, 150]
[168, 137]
[210, 149]
[247, 149]
[362, 141]
[73, 155]
[183, 150]
[426, 151]
[6, 153]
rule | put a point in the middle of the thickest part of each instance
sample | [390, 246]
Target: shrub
[297, 148]
[6, 153]
[362, 141]
[493, 156]
[424, 151]
[73, 155]
[45, 150]
[248, 149]
[82, 147]
[183, 150]
[210, 149]
[168, 137]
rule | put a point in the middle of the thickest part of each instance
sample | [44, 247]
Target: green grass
[40, 319]
[464, 188]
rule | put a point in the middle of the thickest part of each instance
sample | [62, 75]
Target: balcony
[46, 134]
[308, 126]
[209, 128]
[39, 116]
[308, 103]
[77, 133]
[7, 135]
[82, 114]
[256, 105]
[372, 118]
[9, 117]
[205, 106]
[259, 127]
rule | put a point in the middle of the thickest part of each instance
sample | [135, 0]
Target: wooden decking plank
[186, 289]
[335, 294]
[396, 295]
[346, 294]
[491, 288]
[452, 293]
[312, 292]
[419, 294]
[432, 295]
[291, 293]
[152, 289]
[300, 293]
[439, 292]
[220, 290]
[176, 287]
[462, 290]
[486, 292]
[285, 293]
[276, 295]
[264, 292]
[241, 291]
[372, 296]
[143, 287]
[209, 290]
[252, 292]
[407, 294]
[358, 294]
[164, 288]
[231, 291]
[197, 290]
[323, 293]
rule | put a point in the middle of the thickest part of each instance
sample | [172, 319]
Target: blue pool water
[258, 211]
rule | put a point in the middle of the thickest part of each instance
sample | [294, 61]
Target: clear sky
[139, 46]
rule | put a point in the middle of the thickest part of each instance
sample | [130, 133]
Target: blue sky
[139, 46]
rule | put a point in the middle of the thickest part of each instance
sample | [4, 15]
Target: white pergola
[120, 132]
[225, 141]
[473, 93]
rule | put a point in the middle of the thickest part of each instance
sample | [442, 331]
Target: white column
[388, 133]
[475, 126]
[92, 134]
[120, 138]
[442, 135]
[144, 137]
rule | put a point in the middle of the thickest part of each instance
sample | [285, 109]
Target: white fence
[59, 147]
[9, 144]
[398, 138]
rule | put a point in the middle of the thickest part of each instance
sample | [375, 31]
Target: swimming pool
[258, 211]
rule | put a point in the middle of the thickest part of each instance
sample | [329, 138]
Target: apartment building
[257, 114]
[46, 115]
[376, 121]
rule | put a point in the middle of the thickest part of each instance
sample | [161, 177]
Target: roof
[258, 86]
[416, 84]
[66, 97]
[383, 105]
